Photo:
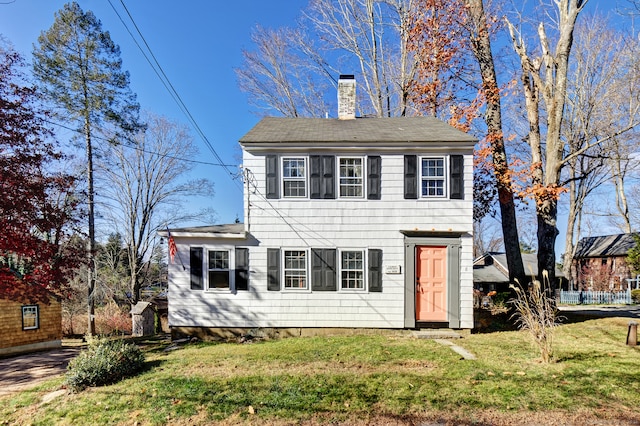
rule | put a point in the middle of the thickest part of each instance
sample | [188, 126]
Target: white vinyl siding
[343, 223]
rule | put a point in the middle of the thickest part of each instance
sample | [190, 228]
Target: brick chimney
[346, 97]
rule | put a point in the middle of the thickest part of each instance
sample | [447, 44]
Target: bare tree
[288, 73]
[487, 236]
[481, 46]
[145, 186]
[284, 73]
[544, 81]
[593, 101]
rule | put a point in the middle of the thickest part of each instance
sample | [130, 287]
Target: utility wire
[132, 144]
[171, 89]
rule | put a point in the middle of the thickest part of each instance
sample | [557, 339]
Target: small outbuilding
[143, 319]
[29, 327]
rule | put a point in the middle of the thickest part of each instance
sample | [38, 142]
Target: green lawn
[362, 379]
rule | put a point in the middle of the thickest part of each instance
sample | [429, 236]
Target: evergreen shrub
[104, 362]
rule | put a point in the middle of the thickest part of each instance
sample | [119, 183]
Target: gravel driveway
[23, 371]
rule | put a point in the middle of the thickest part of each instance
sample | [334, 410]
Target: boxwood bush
[103, 362]
[635, 296]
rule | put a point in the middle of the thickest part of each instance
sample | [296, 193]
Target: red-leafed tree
[36, 207]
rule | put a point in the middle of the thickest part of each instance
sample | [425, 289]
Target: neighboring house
[26, 327]
[600, 263]
[490, 271]
[348, 223]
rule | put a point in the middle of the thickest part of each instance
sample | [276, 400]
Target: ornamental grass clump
[535, 311]
[103, 362]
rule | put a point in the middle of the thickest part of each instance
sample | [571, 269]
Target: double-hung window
[294, 177]
[295, 269]
[351, 177]
[432, 177]
[218, 269]
[352, 270]
[30, 319]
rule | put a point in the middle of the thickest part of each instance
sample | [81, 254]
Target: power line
[132, 144]
[171, 89]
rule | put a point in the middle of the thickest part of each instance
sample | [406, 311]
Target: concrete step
[436, 334]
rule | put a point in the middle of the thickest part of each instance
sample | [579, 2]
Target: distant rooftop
[605, 245]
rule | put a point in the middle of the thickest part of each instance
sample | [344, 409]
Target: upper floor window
[294, 177]
[30, 317]
[295, 269]
[218, 269]
[432, 177]
[352, 270]
[351, 177]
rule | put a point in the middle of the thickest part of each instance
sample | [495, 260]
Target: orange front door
[431, 283]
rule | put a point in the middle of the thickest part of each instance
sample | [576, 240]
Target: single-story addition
[29, 327]
[600, 263]
[348, 223]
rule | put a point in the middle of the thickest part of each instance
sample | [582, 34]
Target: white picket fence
[595, 297]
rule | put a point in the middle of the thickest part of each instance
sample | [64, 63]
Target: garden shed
[143, 319]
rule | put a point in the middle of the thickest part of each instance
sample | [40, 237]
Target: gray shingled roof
[360, 130]
[232, 228]
[605, 246]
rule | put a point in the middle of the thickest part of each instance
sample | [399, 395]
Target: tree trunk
[547, 233]
[493, 117]
[91, 246]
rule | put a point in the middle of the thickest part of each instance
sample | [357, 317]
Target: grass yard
[364, 380]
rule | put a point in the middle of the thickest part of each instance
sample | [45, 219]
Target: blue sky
[198, 43]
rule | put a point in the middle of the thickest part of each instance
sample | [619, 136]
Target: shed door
[431, 283]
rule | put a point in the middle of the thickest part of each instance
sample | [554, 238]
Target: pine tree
[79, 69]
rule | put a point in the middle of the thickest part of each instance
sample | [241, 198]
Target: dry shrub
[535, 311]
[112, 319]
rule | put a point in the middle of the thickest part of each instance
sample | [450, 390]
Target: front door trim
[453, 243]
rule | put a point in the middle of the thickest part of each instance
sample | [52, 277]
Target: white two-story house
[348, 223]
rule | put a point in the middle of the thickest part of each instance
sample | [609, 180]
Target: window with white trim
[218, 267]
[432, 177]
[294, 177]
[352, 270]
[351, 177]
[30, 320]
[295, 269]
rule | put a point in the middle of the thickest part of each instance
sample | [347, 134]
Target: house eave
[415, 233]
[350, 146]
[226, 236]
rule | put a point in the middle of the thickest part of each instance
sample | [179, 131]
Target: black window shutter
[315, 176]
[242, 268]
[273, 269]
[328, 177]
[195, 267]
[374, 163]
[456, 163]
[322, 172]
[323, 270]
[271, 171]
[410, 177]
[375, 270]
